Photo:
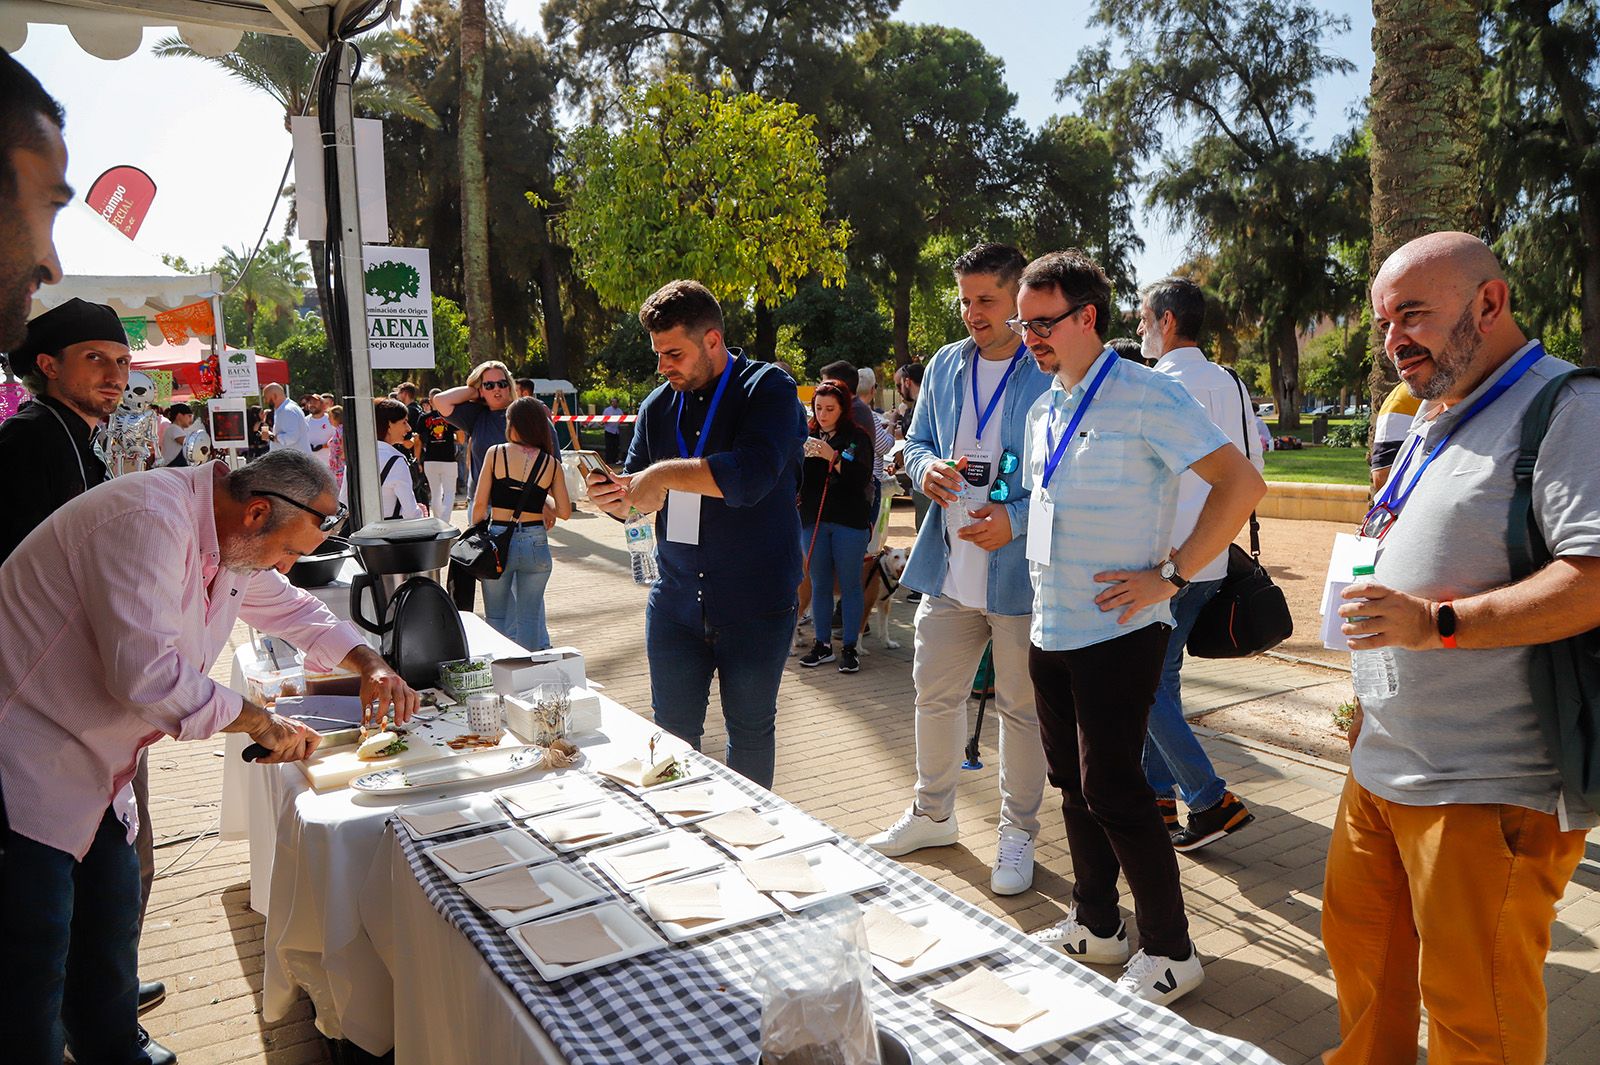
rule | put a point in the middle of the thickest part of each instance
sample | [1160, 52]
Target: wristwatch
[1169, 573]
[1446, 620]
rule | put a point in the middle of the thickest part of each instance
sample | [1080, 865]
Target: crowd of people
[1079, 505]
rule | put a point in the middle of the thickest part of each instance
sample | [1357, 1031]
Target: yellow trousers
[1448, 907]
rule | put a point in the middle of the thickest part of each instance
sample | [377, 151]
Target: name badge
[683, 518]
[1041, 527]
[980, 464]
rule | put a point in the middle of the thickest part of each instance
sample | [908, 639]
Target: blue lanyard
[1393, 498]
[994, 400]
[1058, 451]
[711, 412]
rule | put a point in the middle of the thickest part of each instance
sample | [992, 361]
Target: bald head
[1443, 308]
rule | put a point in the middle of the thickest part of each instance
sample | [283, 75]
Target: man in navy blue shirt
[716, 456]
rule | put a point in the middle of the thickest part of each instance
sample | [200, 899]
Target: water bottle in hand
[1373, 671]
[640, 531]
[968, 498]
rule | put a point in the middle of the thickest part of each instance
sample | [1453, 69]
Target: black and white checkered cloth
[696, 1002]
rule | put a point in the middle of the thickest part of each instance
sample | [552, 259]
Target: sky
[216, 148]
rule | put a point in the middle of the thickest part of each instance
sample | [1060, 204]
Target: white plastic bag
[814, 1005]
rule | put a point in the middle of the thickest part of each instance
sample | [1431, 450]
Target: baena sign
[399, 307]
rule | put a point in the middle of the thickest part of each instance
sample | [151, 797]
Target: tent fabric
[184, 362]
[113, 29]
[102, 266]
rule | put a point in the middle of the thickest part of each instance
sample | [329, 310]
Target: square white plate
[841, 874]
[566, 887]
[798, 830]
[691, 848]
[624, 822]
[1073, 1009]
[961, 939]
[631, 932]
[525, 850]
[741, 904]
[723, 798]
[481, 808]
[559, 791]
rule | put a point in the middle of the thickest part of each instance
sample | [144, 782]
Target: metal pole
[361, 436]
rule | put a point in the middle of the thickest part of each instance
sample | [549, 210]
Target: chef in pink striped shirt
[111, 614]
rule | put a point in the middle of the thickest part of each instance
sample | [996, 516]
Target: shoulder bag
[1249, 613]
[483, 553]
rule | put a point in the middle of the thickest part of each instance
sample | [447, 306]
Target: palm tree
[1427, 136]
[282, 68]
[274, 281]
[475, 183]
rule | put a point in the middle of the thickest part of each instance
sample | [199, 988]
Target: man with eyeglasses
[1104, 450]
[971, 568]
[111, 615]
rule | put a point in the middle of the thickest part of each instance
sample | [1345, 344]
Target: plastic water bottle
[640, 530]
[1373, 671]
[967, 500]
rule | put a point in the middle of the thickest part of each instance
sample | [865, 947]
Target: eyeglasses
[325, 522]
[1042, 326]
[493, 384]
[1379, 520]
[1001, 490]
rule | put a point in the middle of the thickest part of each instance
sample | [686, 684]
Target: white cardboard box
[558, 665]
[584, 715]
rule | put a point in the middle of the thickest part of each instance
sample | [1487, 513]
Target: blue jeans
[839, 550]
[513, 604]
[748, 659]
[69, 950]
[1172, 756]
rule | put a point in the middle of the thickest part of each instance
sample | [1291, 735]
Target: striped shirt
[111, 612]
[1115, 493]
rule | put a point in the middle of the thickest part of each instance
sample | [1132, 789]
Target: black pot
[322, 568]
[415, 546]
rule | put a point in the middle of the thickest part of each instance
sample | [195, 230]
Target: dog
[880, 580]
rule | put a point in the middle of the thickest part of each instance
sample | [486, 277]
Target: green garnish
[394, 748]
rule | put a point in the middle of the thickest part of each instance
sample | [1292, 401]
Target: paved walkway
[845, 755]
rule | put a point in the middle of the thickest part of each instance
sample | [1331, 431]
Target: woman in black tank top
[519, 478]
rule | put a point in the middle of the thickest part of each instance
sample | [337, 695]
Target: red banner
[122, 196]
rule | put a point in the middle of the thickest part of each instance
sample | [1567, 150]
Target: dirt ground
[1296, 554]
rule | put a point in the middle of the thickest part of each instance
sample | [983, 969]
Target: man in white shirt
[288, 421]
[174, 432]
[1171, 314]
[319, 429]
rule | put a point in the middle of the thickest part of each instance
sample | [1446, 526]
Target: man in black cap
[74, 360]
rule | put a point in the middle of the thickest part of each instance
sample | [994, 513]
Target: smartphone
[592, 463]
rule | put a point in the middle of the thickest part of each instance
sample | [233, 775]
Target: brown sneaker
[1208, 826]
[1169, 813]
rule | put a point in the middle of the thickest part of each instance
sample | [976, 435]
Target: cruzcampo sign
[399, 307]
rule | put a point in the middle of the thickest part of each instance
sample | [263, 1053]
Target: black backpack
[419, 480]
[1565, 675]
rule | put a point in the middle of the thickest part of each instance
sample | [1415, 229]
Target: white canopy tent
[114, 29]
[101, 265]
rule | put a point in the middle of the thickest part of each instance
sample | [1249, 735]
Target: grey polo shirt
[1462, 727]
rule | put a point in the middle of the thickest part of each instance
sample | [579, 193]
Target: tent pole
[361, 437]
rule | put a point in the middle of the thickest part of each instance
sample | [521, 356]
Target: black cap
[74, 322]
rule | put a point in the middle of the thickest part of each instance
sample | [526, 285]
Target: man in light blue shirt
[1104, 451]
[969, 564]
[289, 428]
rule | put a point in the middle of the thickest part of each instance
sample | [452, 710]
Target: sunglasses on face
[494, 384]
[325, 522]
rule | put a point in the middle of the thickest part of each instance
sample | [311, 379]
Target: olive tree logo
[392, 281]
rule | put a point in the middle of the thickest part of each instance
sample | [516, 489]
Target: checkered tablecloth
[696, 1002]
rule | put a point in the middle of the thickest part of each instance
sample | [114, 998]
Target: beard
[243, 554]
[15, 285]
[1150, 347]
[1451, 362]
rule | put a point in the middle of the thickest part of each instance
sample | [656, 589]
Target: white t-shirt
[967, 579]
[172, 438]
[319, 434]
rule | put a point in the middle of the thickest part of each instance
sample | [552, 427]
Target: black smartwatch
[1447, 624]
[1169, 573]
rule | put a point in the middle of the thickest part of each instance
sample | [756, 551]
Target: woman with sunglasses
[516, 479]
[836, 519]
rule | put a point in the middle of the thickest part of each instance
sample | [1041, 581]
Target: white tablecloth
[310, 859]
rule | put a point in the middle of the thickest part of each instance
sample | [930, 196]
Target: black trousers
[1093, 705]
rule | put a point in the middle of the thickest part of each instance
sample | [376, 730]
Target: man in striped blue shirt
[1104, 451]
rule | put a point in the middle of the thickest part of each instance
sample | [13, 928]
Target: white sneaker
[1162, 980]
[912, 833]
[1076, 941]
[1013, 863]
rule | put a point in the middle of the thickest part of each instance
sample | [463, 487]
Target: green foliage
[827, 324]
[309, 356]
[1354, 433]
[1338, 361]
[273, 284]
[726, 189]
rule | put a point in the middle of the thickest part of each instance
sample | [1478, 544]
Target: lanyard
[1393, 498]
[711, 412]
[1058, 451]
[994, 400]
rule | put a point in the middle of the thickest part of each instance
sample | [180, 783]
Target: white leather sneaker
[1162, 980]
[1076, 941]
[912, 833]
[1013, 863]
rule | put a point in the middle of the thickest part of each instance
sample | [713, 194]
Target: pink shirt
[111, 614]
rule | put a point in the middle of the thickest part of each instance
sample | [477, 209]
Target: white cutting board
[338, 767]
